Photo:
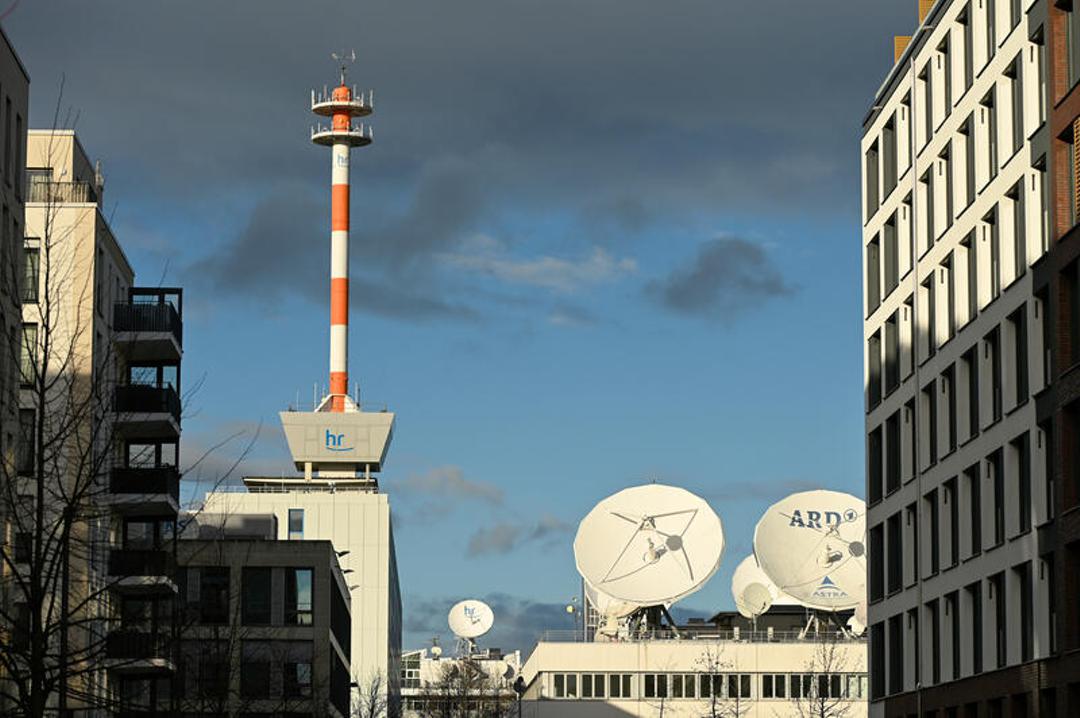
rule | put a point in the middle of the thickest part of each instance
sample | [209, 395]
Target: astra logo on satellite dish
[821, 519]
[336, 442]
[828, 589]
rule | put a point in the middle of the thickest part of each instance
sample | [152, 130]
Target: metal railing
[136, 645]
[151, 480]
[694, 634]
[127, 562]
[147, 317]
[46, 190]
[145, 399]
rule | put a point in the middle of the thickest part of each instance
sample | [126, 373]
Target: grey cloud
[727, 276]
[561, 105]
[438, 492]
[282, 252]
[502, 538]
[519, 622]
[570, 315]
[449, 482]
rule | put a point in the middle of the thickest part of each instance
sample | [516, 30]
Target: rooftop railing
[48, 191]
[697, 634]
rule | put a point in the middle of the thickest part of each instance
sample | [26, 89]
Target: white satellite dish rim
[710, 521]
[607, 605]
[464, 626]
[855, 592]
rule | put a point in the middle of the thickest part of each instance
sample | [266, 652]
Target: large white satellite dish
[607, 605]
[649, 545]
[812, 545]
[470, 619]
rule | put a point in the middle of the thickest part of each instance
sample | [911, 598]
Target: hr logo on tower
[336, 442]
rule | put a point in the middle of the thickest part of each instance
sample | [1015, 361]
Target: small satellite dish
[812, 546]
[756, 599]
[507, 671]
[649, 545]
[470, 619]
[856, 626]
[436, 651]
[605, 605]
[748, 574]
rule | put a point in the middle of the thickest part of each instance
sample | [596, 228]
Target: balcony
[149, 491]
[147, 412]
[142, 570]
[44, 190]
[145, 331]
[134, 652]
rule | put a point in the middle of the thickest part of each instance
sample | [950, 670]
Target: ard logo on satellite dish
[821, 519]
[336, 442]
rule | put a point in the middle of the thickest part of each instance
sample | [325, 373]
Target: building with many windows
[968, 198]
[435, 685]
[14, 92]
[265, 624]
[99, 418]
[766, 674]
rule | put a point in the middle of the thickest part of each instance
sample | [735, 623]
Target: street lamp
[519, 688]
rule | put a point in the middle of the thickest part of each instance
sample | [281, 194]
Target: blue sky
[593, 244]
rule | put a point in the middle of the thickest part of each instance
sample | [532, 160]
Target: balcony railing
[145, 399]
[146, 317]
[163, 480]
[136, 645]
[140, 562]
[46, 190]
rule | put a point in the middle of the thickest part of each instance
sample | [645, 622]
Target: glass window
[298, 586]
[31, 267]
[25, 458]
[255, 595]
[28, 353]
[296, 524]
[214, 594]
[298, 679]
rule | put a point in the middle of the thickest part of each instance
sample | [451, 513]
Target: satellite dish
[756, 599]
[436, 651]
[606, 605]
[860, 613]
[649, 545]
[748, 574]
[857, 627]
[470, 619]
[812, 545]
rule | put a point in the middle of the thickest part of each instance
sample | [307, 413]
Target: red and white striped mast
[341, 104]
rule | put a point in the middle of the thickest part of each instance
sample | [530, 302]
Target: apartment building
[265, 625]
[100, 416]
[964, 487]
[14, 92]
